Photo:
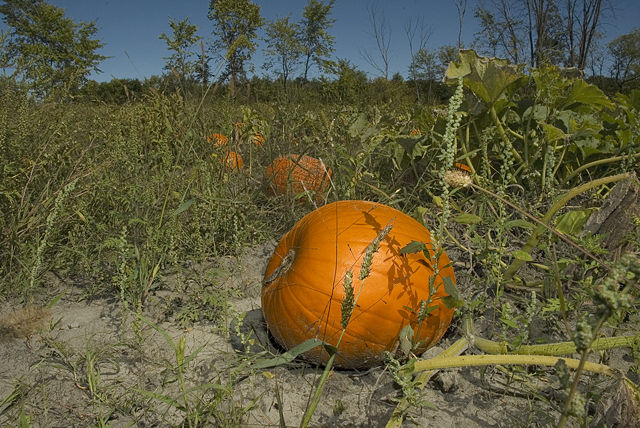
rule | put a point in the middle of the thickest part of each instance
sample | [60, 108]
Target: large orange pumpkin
[303, 286]
[293, 174]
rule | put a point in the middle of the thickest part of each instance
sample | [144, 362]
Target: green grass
[117, 197]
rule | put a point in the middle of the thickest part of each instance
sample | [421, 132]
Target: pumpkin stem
[282, 268]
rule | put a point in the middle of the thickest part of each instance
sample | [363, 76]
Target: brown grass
[23, 322]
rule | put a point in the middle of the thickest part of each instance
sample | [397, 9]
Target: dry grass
[24, 322]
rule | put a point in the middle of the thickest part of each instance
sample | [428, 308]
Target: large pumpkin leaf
[488, 78]
[361, 128]
[585, 93]
[411, 145]
[553, 134]
[288, 356]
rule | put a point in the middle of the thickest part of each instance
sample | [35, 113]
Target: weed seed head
[347, 302]
[457, 178]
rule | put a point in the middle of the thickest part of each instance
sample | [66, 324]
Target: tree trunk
[232, 85]
[591, 14]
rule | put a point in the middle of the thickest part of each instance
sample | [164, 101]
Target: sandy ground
[83, 364]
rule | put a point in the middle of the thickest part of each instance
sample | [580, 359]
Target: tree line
[53, 55]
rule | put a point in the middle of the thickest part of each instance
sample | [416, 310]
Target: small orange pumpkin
[293, 174]
[233, 160]
[303, 286]
[258, 140]
[217, 139]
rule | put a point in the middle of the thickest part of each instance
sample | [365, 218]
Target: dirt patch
[90, 363]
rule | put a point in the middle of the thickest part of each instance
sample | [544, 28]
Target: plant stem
[558, 348]
[458, 347]
[598, 162]
[318, 392]
[543, 224]
[508, 359]
[576, 378]
[503, 134]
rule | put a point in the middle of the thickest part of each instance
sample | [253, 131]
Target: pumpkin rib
[321, 316]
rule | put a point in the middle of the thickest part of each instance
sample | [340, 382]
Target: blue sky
[129, 29]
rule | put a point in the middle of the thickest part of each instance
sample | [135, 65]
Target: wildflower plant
[51, 220]
[448, 153]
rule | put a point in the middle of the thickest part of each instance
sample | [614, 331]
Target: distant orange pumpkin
[303, 285]
[293, 174]
[217, 139]
[258, 140]
[233, 160]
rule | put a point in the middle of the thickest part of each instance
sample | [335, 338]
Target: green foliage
[316, 41]
[283, 47]
[181, 62]
[236, 23]
[147, 193]
[53, 53]
[349, 83]
[425, 65]
[625, 51]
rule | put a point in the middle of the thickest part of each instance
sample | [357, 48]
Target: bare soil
[86, 362]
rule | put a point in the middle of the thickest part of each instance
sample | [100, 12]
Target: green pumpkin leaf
[413, 247]
[467, 218]
[488, 78]
[184, 206]
[522, 255]
[454, 299]
[553, 133]
[585, 93]
[409, 144]
[519, 223]
[572, 222]
[288, 356]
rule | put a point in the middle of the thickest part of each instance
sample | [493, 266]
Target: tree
[426, 66]
[180, 42]
[501, 31]
[447, 54]
[625, 52]
[581, 31]
[283, 47]
[236, 23]
[350, 82]
[316, 41]
[382, 34]
[560, 32]
[202, 68]
[545, 32]
[461, 6]
[410, 29]
[54, 54]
